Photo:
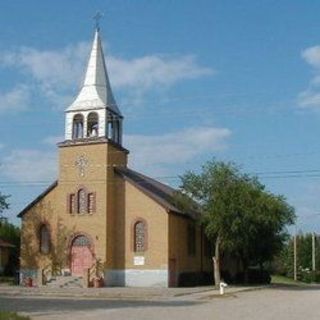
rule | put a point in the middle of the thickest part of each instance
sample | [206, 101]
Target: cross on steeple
[97, 18]
[94, 113]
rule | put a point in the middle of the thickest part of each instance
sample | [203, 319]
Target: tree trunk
[216, 263]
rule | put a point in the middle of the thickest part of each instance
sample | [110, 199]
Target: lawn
[11, 316]
[276, 279]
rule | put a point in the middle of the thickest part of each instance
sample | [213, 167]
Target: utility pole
[313, 252]
[295, 257]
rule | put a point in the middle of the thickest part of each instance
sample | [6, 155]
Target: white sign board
[138, 261]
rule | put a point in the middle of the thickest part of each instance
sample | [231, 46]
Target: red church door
[81, 255]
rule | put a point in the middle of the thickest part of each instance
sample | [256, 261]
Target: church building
[100, 221]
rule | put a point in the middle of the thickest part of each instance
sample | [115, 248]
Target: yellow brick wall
[53, 209]
[138, 205]
[178, 246]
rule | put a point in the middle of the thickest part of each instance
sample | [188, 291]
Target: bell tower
[87, 157]
[94, 113]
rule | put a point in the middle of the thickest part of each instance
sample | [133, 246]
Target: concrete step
[65, 282]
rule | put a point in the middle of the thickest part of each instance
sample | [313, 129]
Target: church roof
[38, 198]
[160, 192]
[96, 91]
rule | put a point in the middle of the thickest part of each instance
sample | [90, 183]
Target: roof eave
[37, 199]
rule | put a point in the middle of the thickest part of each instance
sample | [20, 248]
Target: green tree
[283, 263]
[3, 203]
[10, 233]
[239, 216]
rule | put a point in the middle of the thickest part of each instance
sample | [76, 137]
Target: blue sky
[237, 80]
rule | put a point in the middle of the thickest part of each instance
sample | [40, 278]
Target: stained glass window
[82, 201]
[81, 241]
[139, 237]
[44, 239]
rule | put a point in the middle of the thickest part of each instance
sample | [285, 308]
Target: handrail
[94, 272]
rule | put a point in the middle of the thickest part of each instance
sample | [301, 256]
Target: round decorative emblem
[82, 163]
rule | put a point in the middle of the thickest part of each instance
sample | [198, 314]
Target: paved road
[266, 304]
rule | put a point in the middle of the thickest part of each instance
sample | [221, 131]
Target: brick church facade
[100, 218]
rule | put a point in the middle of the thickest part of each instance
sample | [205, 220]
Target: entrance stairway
[65, 282]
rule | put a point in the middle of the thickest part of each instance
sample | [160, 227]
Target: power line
[285, 174]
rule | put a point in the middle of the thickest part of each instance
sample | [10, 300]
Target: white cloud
[151, 71]
[58, 73]
[310, 98]
[49, 67]
[312, 56]
[157, 152]
[17, 99]
[29, 165]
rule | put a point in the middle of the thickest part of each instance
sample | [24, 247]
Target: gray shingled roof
[160, 192]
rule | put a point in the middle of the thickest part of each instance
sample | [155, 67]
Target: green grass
[276, 279]
[11, 316]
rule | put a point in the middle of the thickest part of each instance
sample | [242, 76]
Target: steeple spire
[96, 90]
[94, 113]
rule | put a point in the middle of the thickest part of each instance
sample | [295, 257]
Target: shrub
[192, 279]
[310, 276]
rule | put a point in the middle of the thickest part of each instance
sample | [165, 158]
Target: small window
[44, 239]
[139, 236]
[191, 239]
[72, 203]
[91, 202]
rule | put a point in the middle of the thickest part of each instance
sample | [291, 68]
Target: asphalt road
[266, 304]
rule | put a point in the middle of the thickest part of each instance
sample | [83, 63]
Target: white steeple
[95, 100]
[96, 90]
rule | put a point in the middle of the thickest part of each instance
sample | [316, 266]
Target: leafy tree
[3, 203]
[239, 216]
[10, 233]
[283, 263]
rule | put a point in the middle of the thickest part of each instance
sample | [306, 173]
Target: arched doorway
[81, 255]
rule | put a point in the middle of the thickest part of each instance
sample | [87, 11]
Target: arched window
[44, 239]
[110, 126]
[77, 127]
[93, 124]
[140, 239]
[82, 201]
[81, 241]
[116, 131]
